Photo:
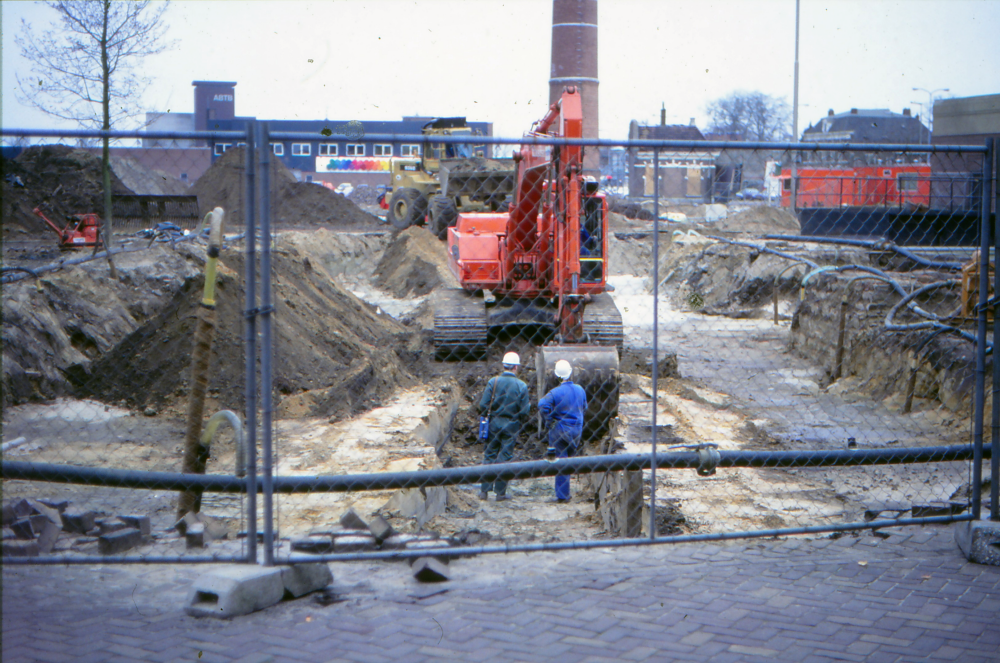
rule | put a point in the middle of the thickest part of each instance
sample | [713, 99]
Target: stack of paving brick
[355, 535]
[34, 527]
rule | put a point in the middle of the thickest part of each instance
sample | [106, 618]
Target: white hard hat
[563, 369]
[511, 359]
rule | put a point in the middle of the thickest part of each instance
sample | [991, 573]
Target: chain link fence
[761, 339]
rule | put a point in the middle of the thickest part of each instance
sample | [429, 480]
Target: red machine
[542, 269]
[82, 231]
[892, 185]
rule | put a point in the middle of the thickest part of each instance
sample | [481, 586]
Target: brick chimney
[574, 62]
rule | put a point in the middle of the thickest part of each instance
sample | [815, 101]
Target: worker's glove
[550, 454]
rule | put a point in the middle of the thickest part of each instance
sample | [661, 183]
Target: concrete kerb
[240, 589]
[979, 541]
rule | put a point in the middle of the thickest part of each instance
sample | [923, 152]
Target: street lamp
[930, 108]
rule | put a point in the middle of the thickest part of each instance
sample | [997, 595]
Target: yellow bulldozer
[446, 179]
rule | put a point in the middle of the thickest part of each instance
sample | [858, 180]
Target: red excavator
[542, 270]
[83, 230]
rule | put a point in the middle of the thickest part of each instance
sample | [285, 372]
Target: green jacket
[511, 400]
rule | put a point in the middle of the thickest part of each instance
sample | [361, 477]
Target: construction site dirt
[96, 372]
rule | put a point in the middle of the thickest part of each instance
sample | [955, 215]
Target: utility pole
[795, 112]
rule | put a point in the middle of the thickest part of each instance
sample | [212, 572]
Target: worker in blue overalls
[562, 411]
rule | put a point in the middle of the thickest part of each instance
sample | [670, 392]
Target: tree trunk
[106, 152]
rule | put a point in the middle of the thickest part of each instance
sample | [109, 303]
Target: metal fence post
[656, 351]
[991, 154]
[250, 339]
[264, 212]
[984, 275]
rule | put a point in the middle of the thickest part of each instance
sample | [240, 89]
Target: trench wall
[881, 360]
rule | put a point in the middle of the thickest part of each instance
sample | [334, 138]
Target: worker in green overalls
[505, 402]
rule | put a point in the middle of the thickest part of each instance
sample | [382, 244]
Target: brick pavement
[910, 596]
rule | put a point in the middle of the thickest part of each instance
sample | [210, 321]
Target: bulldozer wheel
[442, 215]
[406, 208]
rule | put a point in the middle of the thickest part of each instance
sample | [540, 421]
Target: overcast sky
[489, 60]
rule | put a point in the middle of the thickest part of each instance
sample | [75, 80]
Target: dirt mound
[307, 204]
[759, 220]
[414, 263]
[61, 180]
[222, 185]
[333, 354]
[295, 204]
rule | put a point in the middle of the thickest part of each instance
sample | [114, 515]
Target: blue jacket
[563, 409]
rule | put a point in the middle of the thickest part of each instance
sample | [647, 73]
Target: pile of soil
[334, 355]
[294, 204]
[308, 205]
[61, 180]
[414, 264]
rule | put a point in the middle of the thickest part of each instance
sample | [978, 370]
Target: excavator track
[602, 321]
[459, 324]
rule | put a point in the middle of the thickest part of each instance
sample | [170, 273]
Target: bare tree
[750, 116]
[88, 70]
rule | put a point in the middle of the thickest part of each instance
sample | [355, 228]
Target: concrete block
[9, 515]
[979, 541]
[23, 529]
[23, 508]
[316, 545]
[107, 526]
[419, 503]
[16, 548]
[118, 542]
[8, 533]
[429, 569]
[217, 528]
[140, 523]
[38, 522]
[300, 579]
[78, 522]
[190, 518]
[42, 509]
[235, 590]
[47, 537]
[195, 536]
[58, 505]
[354, 543]
[380, 528]
[213, 527]
[351, 520]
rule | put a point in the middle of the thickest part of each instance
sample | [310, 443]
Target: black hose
[879, 244]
